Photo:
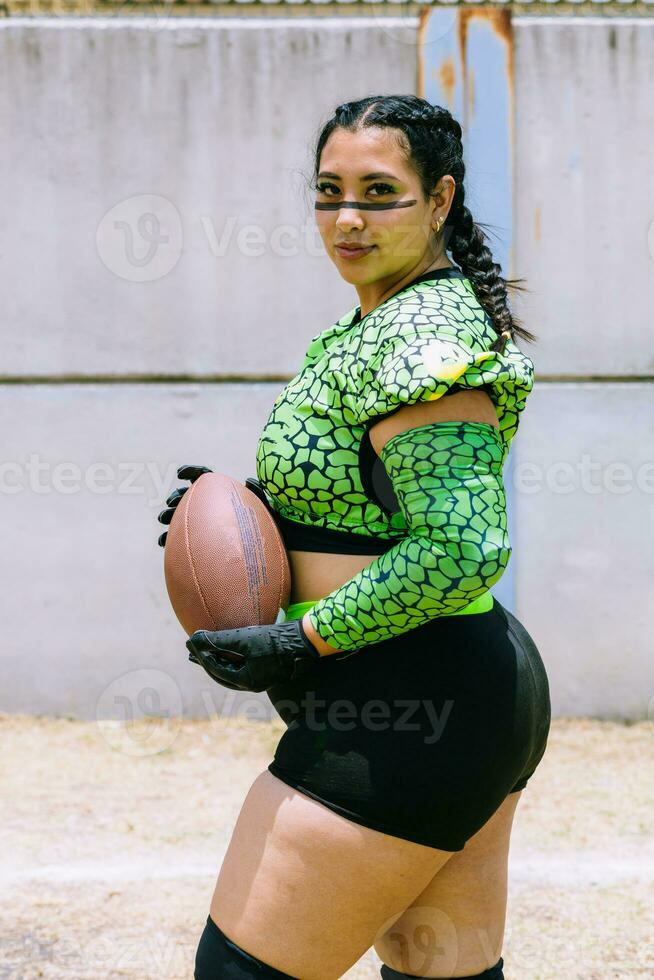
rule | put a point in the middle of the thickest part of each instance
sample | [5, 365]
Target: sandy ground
[112, 839]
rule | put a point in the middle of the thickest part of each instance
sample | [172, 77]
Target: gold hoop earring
[438, 226]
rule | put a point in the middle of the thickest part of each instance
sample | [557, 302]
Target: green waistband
[481, 604]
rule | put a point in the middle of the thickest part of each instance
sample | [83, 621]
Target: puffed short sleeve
[418, 365]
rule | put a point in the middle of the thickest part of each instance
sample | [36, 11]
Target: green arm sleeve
[447, 477]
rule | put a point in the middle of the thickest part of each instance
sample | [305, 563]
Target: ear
[443, 194]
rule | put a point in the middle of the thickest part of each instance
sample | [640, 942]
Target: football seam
[278, 542]
[190, 558]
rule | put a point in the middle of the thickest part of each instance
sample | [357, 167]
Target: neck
[373, 294]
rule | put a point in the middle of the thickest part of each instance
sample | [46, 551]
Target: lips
[353, 251]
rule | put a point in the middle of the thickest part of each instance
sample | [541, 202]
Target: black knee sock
[218, 958]
[492, 973]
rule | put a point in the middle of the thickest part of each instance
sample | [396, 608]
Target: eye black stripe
[334, 205]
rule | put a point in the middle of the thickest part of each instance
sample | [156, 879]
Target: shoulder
[445, 311]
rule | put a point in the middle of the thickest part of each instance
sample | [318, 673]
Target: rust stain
[446, 75]
[423, 17]
[499, 22]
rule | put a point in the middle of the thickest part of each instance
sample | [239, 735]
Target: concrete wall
[584, 196]
[584, 458]
[157, 226]
[86, 617]
[126, 254]
[584, 494]
[206, 125]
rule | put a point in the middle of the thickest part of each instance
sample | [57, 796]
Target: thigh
[305, 889]
[455, 927]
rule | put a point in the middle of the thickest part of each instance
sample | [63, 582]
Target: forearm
[402, 589]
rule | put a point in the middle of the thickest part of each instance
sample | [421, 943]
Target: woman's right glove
[188, 472]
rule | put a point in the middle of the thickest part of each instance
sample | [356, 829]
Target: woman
[417, 706]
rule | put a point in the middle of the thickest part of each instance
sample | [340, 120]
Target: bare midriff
[316, 574]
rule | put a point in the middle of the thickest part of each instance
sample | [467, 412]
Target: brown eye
[383, 189]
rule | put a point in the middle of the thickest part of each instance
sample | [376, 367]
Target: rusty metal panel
[466, 64]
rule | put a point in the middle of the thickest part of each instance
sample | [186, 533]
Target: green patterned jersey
[314, 458]
[448, 517]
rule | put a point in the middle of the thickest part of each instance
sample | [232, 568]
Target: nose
[349, 218]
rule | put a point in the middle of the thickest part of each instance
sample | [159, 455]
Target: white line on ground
[528, 869]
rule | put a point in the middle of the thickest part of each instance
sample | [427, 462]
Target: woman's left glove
[254, 658]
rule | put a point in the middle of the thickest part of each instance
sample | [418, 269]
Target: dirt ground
[112, 839]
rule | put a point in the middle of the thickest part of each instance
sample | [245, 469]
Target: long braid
[435, 143]
[466, 243]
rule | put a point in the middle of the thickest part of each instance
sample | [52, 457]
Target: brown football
[225, 562]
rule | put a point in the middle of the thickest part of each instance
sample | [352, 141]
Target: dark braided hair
[435, 149]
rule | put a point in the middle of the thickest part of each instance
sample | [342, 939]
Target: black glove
[254, 658]
[186, 472]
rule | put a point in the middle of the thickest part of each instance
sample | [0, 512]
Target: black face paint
[334, 205]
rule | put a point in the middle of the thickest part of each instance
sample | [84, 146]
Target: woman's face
[369, 167]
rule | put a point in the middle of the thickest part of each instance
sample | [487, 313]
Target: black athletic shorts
[423, 735]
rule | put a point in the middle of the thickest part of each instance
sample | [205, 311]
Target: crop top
[324, 484]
